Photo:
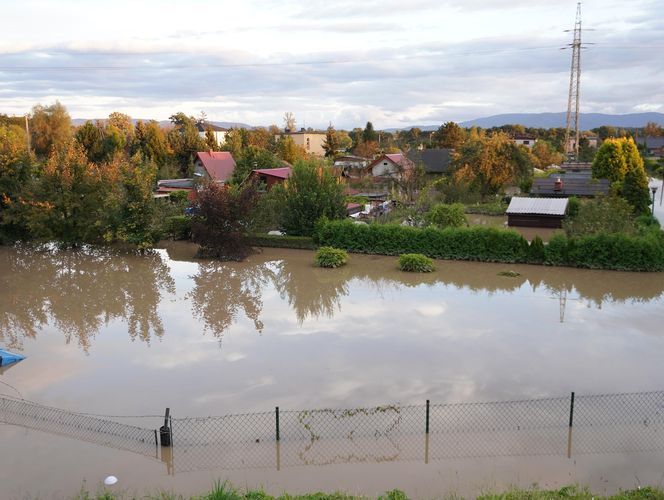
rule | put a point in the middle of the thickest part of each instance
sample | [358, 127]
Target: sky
[396, 63]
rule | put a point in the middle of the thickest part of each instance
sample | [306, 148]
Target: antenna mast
[574, 88]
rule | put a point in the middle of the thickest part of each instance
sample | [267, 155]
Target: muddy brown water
[113, 333]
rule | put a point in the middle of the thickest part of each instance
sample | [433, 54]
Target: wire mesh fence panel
[227, 442]
[619, 423]
[499, 416]
[78, 426]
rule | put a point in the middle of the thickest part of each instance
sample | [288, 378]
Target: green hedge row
[300, 242]
[488, 244]
[608, 251]
[177, 227]
[474, 243]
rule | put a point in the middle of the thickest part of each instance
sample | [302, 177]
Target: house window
[385, 164]
[526, 142]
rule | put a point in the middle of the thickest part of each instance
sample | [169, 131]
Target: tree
[653, 129]
[545, 155]
[210, 139]
[636, 191]
[138, 225]
[369, 134]
[151, 142]
[90, 136]
[251, 159]
[76, 201]
[288, 151]
[16, 175]
[221, 220]
[289, 122]
[310, 193]
[331, 144]
[123, 123]
[488, 163]
[610, 161]
[184, 141]
[50, 126]
[450, 135]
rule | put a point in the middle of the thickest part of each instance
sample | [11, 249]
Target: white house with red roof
[216, 166]
[389, 165]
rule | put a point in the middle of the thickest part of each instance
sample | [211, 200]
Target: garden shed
[536, 212]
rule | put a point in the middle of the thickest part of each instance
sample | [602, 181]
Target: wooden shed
[536, 212]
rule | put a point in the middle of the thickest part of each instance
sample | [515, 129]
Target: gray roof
[652, 142]
[435, 161]
[537, 206]
[572, 186]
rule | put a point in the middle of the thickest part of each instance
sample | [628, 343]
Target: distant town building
[524, 140]
[389, 165]
[351, 166]
[312, 142]
[218, 132]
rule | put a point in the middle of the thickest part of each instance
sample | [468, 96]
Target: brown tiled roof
[218, 164]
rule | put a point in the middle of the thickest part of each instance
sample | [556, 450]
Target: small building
[270, 176]
[434, 161]
[524, 140]
[389, 165]
[536, 212]
[217, 166]
[219, 133]
[167, 186]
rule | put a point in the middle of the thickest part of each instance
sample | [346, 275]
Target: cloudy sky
[394, 62]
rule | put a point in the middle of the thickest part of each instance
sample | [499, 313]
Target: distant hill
[554, 120]
[163, 123]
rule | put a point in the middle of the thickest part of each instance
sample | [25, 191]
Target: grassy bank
[224, 491]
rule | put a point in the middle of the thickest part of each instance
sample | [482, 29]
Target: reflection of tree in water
[223, 288]
[311, 292]
[79, 291]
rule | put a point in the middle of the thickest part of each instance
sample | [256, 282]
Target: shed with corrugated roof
[536, 212]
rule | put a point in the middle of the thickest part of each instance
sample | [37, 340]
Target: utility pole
[574, 89]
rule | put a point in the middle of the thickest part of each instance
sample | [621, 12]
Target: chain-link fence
[551, 426]
[78, 426]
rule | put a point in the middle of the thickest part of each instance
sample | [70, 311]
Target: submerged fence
[632, 422]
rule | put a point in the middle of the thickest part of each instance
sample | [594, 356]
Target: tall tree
[16, 177]
[310, 193]
[184, 141]
[288, 151]
[289, 122]
[369, 134]
[450, 135]
[50, 126]
[330, 145]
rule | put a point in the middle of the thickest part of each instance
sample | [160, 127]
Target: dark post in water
[165, 430]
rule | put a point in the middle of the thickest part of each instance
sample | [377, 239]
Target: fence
[632, 422]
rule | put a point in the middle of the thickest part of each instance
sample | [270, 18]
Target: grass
[225, 491]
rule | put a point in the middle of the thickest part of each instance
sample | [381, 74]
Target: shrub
[573, 204]
[330, 257]
[447, 215]
[601, 215]
[415, 263]
[178, 227]
[536, 250]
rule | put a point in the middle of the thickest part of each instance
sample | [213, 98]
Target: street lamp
[654, 190]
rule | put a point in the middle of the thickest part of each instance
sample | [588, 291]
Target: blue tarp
[7, 357]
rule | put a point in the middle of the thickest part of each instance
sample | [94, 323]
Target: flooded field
[117, 334]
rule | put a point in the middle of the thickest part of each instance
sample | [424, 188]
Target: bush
[415, 263]
[178, 227]
[447, 215]
[474, 243]
[330, 257]
[601, 215]
[298, 242]
[536, 251]
[573, 204]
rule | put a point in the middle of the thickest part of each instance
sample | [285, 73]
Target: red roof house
[217, 166]
[271, 176]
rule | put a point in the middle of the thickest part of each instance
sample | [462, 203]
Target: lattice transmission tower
[574, 90]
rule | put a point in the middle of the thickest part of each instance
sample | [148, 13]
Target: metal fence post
[571, 424]
[276, 416]
[427, 424]
[165, 430]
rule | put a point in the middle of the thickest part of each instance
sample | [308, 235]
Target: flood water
[118, 334]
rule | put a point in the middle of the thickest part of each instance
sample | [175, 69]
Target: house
[270, 176]
[536, 212]
[434, 161]
[219, 133]
[389, 165]
[217, 166]
[167, 186]
[579, 183]
[311, 141]
[524, 140]
[654, 146]
[351, 166]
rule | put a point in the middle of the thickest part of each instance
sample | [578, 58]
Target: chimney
[558, 185]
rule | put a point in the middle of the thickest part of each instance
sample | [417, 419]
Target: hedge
[268, 240]
[178, 227]
[601, 251]
[474, 243]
